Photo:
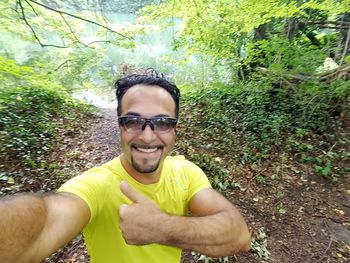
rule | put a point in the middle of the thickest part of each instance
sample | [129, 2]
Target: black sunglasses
[135, 124]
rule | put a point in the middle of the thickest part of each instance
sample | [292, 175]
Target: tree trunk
[244, 70]
[343, 48]
[260, 33]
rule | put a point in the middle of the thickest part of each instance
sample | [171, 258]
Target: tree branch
[342, 72]
[71, 30]
[77, 39]
[98, 41]
[80, 18]
[327, 24]
[33, 9]
[24, 18]
[62, 64]
[32, 29]
[102, 12]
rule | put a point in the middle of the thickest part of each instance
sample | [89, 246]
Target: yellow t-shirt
[100, 188]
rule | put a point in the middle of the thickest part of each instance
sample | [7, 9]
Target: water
[153, 49]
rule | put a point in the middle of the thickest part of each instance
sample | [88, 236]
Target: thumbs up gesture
[140, 222]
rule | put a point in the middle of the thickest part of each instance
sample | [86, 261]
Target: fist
[140, 222]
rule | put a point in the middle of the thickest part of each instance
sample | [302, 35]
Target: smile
[146, 150]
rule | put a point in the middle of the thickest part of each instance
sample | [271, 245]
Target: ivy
[33, 111]
[249, 121]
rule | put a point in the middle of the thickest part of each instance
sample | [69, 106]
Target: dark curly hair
[122, 86]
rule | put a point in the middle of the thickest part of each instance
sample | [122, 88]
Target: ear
[175, 128]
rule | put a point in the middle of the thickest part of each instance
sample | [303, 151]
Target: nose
[147, 134]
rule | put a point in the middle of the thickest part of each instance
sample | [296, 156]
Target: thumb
[122, 208]
[130, 193]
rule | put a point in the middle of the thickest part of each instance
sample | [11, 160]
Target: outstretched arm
[216, 228]
[34, 226]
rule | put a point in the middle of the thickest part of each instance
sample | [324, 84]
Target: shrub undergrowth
[31, 120]
[253, 121]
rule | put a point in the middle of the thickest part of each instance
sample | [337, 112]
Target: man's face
[145, 151]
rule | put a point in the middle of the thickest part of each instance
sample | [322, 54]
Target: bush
[250, 119]
[30, 119]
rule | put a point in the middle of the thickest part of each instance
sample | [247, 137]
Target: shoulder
[189, 174]
[94, 186]
[104, 171]
[112, 166]
[180, 167]
[96, 177]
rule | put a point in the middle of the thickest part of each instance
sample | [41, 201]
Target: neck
[143, 178]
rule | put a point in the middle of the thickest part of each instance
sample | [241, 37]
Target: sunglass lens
[163, 124]
[133, 124]
[137, 124]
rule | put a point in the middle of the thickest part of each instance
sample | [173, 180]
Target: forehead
[148, 101]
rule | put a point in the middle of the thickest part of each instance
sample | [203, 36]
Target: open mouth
[147, 149]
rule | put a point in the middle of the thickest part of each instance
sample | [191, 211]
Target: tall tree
[232, 31]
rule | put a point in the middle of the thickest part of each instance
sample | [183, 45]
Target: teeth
[147, 150]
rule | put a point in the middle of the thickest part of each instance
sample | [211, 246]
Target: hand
[140, 222]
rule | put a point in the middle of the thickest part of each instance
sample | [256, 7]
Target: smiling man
[136, 207]
[144, 145]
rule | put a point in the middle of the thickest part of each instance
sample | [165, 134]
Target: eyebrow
[131, 113]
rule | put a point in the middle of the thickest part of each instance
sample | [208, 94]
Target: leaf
[10, 180]
[339, 211]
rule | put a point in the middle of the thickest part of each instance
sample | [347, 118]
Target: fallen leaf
[10, 180]
[347, 249]
[339, 211]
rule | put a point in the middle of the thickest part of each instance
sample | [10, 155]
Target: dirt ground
[294, 216]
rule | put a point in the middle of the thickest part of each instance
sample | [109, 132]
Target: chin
[145, 169]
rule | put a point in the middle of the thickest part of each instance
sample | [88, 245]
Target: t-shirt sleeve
[91, 187]
[198, 179]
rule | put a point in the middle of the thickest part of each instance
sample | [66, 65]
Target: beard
[144, 168]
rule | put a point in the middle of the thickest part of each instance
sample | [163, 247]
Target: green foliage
[232, 20]
[281, 54]
[260, 179]
[13, 75]
[76, 70]
[235, 23]
[206, 259]
[259, 243]
[250, 121]
[323, 163]
[30, 119]
[217, 174]
[281, 209]
[33, 110]
[59, 25]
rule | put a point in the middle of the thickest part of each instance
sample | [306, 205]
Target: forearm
[22, 218]
[217, 230]
[216, 235]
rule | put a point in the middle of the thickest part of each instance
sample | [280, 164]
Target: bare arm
[216, 229]
[34, 226]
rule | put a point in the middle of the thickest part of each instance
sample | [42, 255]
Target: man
[133, 208]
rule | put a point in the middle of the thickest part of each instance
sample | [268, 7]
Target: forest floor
[294, 215]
